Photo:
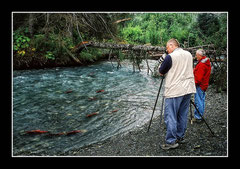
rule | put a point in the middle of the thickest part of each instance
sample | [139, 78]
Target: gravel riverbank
[199, 141]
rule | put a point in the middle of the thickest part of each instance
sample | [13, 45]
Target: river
[58, 100]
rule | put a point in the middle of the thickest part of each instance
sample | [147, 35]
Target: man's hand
[162, 75]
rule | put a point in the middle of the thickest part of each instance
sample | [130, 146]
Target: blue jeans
[175, 117]
[200, 102]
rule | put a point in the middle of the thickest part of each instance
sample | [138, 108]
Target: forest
[41, 40]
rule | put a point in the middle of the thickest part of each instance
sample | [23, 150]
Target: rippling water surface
[59, 100]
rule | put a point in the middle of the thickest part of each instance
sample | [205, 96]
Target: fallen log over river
[137, 53]
[157, 50]
[116, 46]
[127, 46]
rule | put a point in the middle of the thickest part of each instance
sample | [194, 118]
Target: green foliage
[193, 28]
[178, 32]
[91, 54]
[208, 24]
[51, 46]
[20, 42]
[49, 55]
[132, 34]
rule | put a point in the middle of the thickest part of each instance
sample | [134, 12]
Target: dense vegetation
[47, 39]
[191, 29]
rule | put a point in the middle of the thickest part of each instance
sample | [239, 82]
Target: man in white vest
[179, 85]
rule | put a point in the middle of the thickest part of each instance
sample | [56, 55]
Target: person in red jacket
[201, 73]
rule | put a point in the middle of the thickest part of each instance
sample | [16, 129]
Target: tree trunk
[126, 46]
[157, 50]
[70, 54]
[30, 24]
[140, 47]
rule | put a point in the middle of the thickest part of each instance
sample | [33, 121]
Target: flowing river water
[60, 99]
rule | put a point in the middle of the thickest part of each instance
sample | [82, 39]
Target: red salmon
[73, 132]
[99, 91]
[92, 114]
[36, 132]
[69, 91]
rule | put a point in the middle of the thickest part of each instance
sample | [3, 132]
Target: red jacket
[202, 73]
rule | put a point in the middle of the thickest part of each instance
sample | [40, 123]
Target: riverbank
[41, 62]
[199, 141]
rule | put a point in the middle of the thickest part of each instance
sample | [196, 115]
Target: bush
[132, 34]
[91, 54]
[20, 43]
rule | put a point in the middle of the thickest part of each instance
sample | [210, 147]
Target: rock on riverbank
[199, 141]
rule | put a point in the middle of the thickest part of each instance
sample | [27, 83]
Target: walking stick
[202, 117]
[155, 103]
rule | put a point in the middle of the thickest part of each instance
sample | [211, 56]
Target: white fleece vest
[179, 80]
